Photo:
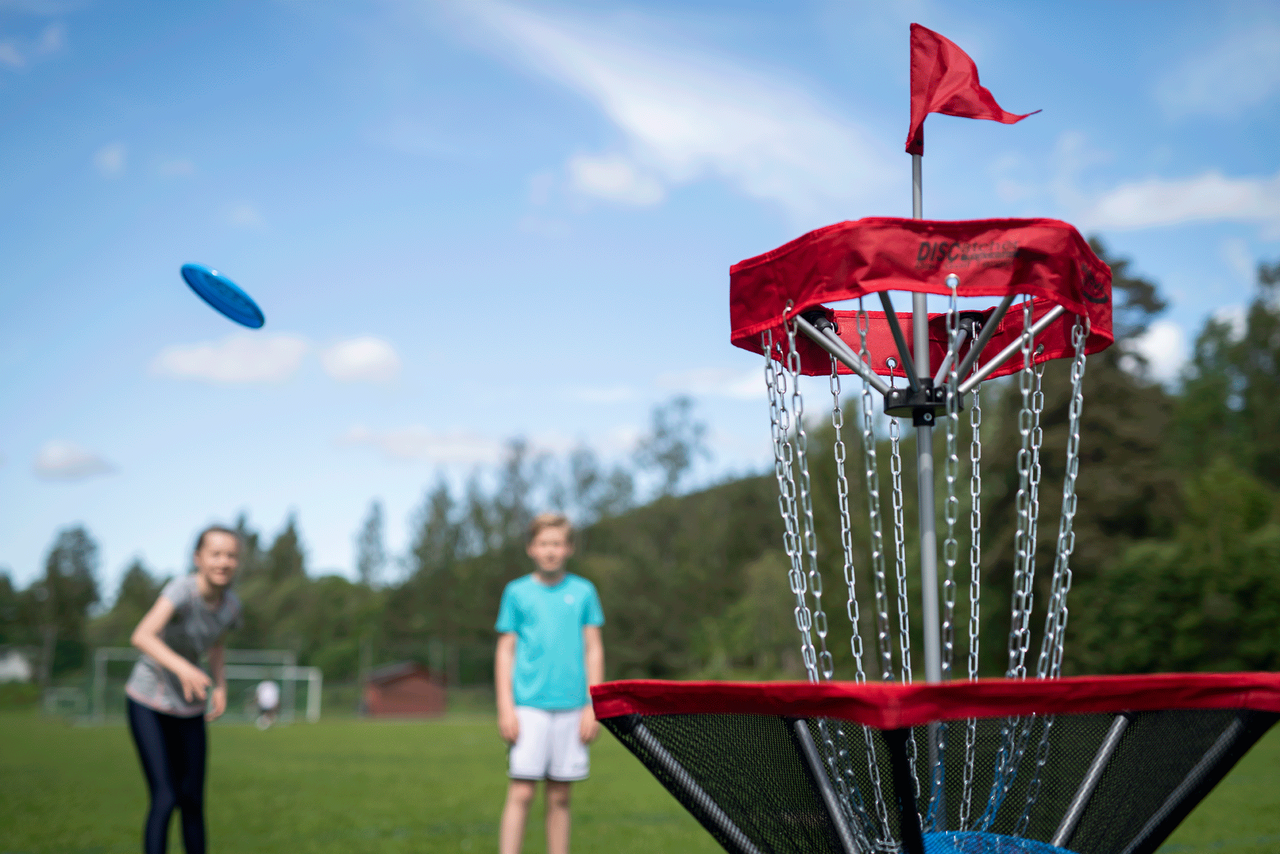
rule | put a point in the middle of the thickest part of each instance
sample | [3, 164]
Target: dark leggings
[172, 751]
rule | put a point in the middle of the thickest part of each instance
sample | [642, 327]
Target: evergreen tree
[1229, 407]
[65, 594]
[137, 593]
[675, 440]
[371, 555]
[285, 559]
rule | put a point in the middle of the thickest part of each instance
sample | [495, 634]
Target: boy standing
[549, 653]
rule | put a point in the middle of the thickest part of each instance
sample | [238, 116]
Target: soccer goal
[245, 668]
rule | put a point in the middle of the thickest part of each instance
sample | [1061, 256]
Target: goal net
[300, 687]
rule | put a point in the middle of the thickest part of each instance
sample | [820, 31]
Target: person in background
[170, 697]
[549, 653]
[267, 698]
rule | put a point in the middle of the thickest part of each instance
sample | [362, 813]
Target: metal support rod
[941, 375]
[930, 618]
[1090, 782]
[904, 789]
[710, 813]
[1159, 825]
[1012, 350]
[904, 352]
[835, 345]
[813, 762]
[988, 329]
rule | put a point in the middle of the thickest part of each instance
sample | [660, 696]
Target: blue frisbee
[223, 294]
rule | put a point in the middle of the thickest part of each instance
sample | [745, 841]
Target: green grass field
[355, 786]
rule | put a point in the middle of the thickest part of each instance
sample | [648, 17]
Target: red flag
[945, 80]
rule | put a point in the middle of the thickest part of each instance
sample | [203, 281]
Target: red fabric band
[1044, 258]
[890, 705]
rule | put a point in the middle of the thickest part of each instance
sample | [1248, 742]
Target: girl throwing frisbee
[170, 697]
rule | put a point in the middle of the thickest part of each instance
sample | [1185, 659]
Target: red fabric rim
[890, 705]
[1044, 258]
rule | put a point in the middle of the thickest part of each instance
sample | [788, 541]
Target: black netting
[1088, 784]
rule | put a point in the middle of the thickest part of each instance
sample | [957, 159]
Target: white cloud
[418, 444]
[364, 359]
[15, 55]
[67, 461]
[1164, 346]
[1235, 251]
[687, 115]
[1240, 72]
[1207, 197]
[245, 215]
[10, 55]
[734, 383]
[110, 160]
[615, 178]
[178, 167]
[238, 359]
[1234, 316]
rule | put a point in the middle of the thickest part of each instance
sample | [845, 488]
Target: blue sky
[468, 221]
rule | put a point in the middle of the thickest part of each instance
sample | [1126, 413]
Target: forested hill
[1176, 563]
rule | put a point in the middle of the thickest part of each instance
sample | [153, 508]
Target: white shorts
[549, 746]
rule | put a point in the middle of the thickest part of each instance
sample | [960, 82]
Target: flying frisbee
[223, 294]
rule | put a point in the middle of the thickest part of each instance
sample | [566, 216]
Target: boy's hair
[551, 520]
[216, 529]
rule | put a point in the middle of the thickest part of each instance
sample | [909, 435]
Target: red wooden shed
[405, 689]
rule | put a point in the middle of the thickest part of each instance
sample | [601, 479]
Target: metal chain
[1024, 547]
[871, 471]
[808, 532]
[900, 554]
[1013, 734]
[950, 545]
[780, 425]
[846, 525]
[900, 563]
[951, 471]
[975, 592]
[1049, 664]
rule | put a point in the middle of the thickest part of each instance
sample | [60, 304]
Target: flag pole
[924, 464]
[924, 490]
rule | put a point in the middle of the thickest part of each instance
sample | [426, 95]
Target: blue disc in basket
[223, 294]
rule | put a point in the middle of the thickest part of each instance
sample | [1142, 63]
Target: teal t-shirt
[549, 672]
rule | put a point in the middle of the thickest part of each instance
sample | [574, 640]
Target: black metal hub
[924, 406]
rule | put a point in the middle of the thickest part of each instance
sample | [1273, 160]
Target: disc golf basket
[1029, 763]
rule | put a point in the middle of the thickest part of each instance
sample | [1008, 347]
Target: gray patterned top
[194, 628]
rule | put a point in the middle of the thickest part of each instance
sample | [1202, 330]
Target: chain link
[846, 526]
[871, 472]
[900, 554]
[1024, 545]
[975, 593]
[808, 532]
[950, 545]
[780, 425]
[1049, 663]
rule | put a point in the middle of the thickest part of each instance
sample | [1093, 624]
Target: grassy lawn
[352, 786]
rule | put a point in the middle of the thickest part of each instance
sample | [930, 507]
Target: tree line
[1174, 567]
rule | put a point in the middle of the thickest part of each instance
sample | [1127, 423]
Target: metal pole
[1009, 352]
[835, 346]
[818, 773]
[924, 491]
[1090, 782]
[924, 468]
